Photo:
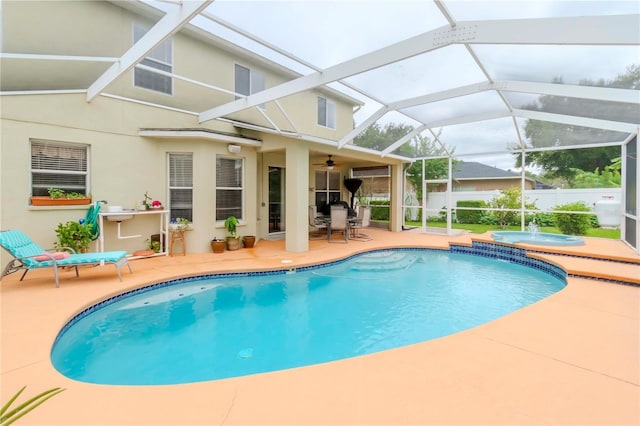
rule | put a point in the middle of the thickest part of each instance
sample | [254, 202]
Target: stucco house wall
[123, 165]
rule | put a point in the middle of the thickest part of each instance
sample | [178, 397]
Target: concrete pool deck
[572, 358]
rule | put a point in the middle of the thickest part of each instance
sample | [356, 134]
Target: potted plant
[74, 235]
[58, 197]
[153, 245]
[180, 224]
[233, 240]
[218, 246]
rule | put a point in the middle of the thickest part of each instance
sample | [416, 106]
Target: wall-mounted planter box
[48, 201]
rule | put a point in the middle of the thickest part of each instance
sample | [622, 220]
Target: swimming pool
[238, 324]
[537, 238]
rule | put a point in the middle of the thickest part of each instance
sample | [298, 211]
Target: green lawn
[481, 229]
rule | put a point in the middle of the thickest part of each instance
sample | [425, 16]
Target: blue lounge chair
[29, 255]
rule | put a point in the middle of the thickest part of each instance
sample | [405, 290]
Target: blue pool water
[218, 327]
[538, 238]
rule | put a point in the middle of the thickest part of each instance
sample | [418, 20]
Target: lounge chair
[29, 255]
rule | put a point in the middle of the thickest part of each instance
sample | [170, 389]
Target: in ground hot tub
[538, 238]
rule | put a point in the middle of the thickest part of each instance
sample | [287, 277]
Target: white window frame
[53, 146]
[329, 113]
[154, 61]
[327, 190]
[256, 83]
[241, 188]
[170, 158]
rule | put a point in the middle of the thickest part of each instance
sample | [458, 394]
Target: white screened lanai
[467, 74]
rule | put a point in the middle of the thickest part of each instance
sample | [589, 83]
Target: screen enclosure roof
[468, 75]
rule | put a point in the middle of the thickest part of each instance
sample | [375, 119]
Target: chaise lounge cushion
[80, 259]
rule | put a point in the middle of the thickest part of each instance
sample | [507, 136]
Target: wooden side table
[177, 236]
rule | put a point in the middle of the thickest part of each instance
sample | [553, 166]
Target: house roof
[467, 170]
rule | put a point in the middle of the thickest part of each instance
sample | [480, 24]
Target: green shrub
[469, 216]
[509, 199]
[379, 209]
[573, 224]
[74, 235]
[544, 219]
[488, 219]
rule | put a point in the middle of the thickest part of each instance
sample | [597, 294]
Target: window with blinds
[160, 58]
[59, 165]
[229, 188]
[181, 185]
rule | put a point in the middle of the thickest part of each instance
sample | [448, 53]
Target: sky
[325, 33]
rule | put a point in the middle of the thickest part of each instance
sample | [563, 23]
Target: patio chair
[362, 221]
[339, 222]
[29, 255]
[316, 222]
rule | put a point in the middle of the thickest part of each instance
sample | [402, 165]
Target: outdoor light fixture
[234, 149]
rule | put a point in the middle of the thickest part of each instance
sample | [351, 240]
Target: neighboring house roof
[471, 170]
[476, 171]
[542, 185]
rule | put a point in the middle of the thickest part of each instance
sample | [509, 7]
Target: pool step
[624, 273]
[384, 261]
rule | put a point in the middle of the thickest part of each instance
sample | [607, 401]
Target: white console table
[163, 226]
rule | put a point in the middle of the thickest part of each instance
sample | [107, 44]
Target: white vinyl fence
[544, 199]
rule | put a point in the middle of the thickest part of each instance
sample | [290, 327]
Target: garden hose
[92, 219]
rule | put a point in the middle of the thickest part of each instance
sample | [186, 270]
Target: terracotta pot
[217, 246]
[143, 253]
[48, 201]
[249, 241]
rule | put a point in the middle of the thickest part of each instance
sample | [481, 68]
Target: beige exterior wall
[122, 164]
[102, 29]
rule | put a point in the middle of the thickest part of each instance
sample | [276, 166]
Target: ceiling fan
[329, 164]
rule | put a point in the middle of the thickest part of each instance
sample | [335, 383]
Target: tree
[608, 178]
[566, 163]
[379, 138]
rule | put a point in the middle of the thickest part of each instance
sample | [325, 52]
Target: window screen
[159, 58]
[326, 113]
[248, 81]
